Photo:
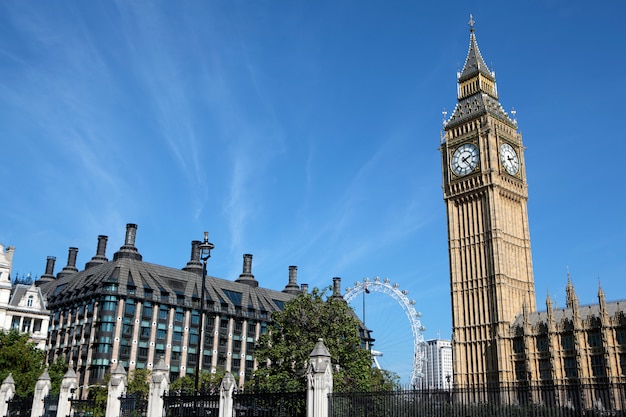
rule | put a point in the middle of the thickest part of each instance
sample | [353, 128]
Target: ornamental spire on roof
[477, 92]
[474, 63]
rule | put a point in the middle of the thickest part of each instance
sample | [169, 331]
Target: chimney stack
[246, 276]
[292, 285]
[70, 268]
[100, 257]
[49, 275]
[129, 250]
[194, 264]
[337, 288]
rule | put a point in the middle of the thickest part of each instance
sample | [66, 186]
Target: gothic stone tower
[485, 191]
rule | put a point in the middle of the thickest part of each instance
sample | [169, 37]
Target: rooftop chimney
[129, 250]
[337, 288]
[49, 275]
[194, 264]
[246, 276]
[292, 286]
[100, 257]
[304, 288]
[70, 268]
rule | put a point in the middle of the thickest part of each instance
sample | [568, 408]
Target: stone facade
[22, 307]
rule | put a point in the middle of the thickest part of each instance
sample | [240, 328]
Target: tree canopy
[292, 335]
[22, 359]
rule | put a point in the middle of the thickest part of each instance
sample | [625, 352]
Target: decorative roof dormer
[477, 91]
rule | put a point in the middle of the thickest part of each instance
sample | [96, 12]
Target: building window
[29, 303]
[129, 308]
[567, 342]
[163, 313]
[544, 369]
[594, 338]
[542, 344]
[26, 325]
[146, 312]
[145, 332]
[620, 335]
[520, 370]
[15, 323]
[127, 330]
[106, 327]
[597, 365]
[104, 348]
[569, 365]
[179, 316]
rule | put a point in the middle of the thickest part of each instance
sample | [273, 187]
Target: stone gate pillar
[42, 389]
[319, 381]
[7, 391]
[69, 385]
[117, 387]
[159, 384]
[227, 387]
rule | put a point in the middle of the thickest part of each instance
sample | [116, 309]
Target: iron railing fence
[572, 400]
[182, 405]
[132, 405]
[50, 405]
[19, 406]
[269, 404]
[83, 408]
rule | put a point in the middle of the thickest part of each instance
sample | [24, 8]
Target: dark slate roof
[560, 314]
[477, 105]
[151, 280]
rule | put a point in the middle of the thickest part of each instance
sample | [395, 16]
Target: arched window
[30, 301]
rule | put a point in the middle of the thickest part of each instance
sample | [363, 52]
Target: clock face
[464, 159]
[509, 159]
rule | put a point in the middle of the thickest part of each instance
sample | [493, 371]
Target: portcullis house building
[133, 312]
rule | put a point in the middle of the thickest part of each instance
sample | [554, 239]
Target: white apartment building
[438, 373]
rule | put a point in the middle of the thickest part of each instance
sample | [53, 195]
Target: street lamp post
[205, 254]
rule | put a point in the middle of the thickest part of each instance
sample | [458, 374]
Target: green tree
[209, 383]
[20, 357]
[99, 394]
[139, 384]
[56, 371]
[292, 335]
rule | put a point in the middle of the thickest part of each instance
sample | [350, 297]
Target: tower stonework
[486, 193]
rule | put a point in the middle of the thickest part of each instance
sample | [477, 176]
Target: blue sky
[306, 133]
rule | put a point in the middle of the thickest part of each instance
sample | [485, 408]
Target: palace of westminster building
[132, 312]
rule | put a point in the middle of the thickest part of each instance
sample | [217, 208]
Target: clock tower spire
[486, 194]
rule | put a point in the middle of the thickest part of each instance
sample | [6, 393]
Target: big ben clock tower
[485, 191]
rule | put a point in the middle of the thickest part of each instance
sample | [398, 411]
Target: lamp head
[206, 247]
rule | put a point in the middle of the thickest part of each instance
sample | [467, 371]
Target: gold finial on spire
[471, 23]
